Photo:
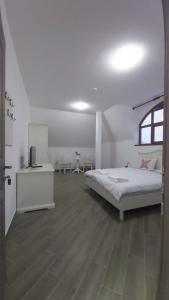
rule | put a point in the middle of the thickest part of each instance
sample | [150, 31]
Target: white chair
[66, 166]
[88, 165]
[57, 166]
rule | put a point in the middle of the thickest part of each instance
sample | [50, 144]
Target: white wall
[68, 132]
[108, 155]
[119, 123]
[18, 152]
[67, 154]
[66, 129]
[122, 123]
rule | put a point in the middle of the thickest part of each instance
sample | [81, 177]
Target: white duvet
[122, 181]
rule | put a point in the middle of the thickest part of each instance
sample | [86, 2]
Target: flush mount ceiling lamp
[126, 57]
[80, 105]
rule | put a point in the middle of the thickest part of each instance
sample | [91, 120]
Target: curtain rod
[146, 102]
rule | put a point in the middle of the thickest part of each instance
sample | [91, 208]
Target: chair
[66, 166]
[88, 165]
[57, 166]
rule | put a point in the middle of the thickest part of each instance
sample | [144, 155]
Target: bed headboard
[157, 154]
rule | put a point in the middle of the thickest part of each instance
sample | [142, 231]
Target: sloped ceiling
[60, 45]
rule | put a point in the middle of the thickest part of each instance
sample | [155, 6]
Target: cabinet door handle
[7, 167]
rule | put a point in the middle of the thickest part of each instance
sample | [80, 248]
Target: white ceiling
[60, 45]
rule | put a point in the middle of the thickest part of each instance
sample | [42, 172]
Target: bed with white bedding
[127, 188]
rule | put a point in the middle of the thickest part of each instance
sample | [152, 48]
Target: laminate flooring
[81, 251]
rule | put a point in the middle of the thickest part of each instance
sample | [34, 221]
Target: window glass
[151, 128]
[158, 134]
[147, 120]
[159, 116]
[146, 135]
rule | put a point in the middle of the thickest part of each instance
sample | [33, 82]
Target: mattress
[123, 181]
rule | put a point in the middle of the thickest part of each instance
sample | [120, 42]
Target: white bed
[135, 187]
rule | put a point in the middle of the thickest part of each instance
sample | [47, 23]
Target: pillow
[148, 164]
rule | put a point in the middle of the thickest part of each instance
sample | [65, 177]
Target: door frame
[163, 289]
[2, 170]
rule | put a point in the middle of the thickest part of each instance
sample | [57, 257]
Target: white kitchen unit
[35, 188]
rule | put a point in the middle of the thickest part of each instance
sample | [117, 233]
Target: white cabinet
[35, 188]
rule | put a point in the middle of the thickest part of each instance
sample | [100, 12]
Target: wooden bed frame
[132, 200]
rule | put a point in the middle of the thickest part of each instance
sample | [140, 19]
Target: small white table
[35, 188]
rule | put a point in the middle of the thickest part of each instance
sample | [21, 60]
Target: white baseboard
[36, 207]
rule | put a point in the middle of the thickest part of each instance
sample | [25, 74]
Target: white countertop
[45, 168]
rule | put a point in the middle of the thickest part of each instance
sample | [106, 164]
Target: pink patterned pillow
[144, 163]
[148, 164]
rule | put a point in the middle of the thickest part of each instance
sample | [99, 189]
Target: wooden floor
[80, 250]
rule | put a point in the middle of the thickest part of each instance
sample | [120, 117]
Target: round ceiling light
[80, 105]
[126, 57]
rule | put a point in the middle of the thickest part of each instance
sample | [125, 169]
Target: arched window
[151, 127]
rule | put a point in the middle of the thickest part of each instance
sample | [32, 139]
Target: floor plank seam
[145, 287]
[112, 290]
[128, 255]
